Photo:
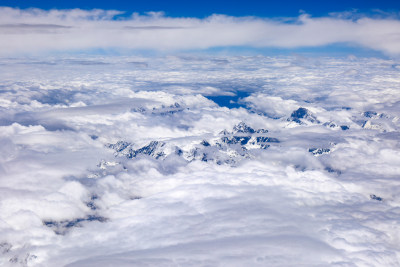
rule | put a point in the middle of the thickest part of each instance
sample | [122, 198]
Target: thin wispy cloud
[152, 27]
[33, 31]
[23, 28]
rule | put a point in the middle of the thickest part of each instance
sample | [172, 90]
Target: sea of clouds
[156, 161]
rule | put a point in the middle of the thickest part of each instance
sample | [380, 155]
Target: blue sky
[308, 27]
[176, 8]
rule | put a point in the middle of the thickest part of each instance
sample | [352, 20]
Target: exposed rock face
[375, 197]
[153, 149]
[243, 128]
[227, 147]
[160, 111]
[319, 151]
[370, 114]
[302, 114]
[61, 227]
[119, 146]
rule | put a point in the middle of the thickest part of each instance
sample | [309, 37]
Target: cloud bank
[35, 30]
[104, 162]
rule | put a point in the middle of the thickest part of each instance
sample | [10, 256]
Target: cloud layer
[34, 30]
[127, 161]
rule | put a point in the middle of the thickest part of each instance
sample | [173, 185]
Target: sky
[363, 28]
[181, 8]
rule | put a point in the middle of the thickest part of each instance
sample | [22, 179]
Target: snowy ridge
[228, 148]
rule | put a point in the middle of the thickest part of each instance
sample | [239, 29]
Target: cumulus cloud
[107, 162]
[30, 30]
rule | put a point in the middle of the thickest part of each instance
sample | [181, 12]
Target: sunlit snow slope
[199, 161]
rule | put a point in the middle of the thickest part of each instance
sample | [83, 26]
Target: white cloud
[65, 198]
[34, 30]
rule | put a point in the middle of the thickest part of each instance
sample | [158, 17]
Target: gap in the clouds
[230, 101]
[333, 50]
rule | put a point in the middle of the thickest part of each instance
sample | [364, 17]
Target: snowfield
[199, 161]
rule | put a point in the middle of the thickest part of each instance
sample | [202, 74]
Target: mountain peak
[302, 113]
[242, 128]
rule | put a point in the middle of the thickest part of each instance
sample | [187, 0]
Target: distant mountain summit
[242, 128]
[302, 114]
[226, 148]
